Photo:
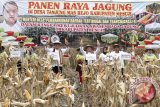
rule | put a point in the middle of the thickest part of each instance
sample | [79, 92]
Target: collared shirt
[15, 28]
[58, 53]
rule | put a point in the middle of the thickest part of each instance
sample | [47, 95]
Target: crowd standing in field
[45, 74]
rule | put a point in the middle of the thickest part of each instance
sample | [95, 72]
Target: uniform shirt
[3, 55]
[89, 62]
[150, 57]
[79, 58]
[15, 28]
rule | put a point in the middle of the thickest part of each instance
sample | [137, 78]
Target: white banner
[126, 56]
[14, 54]
[54, 55]
[90, 56]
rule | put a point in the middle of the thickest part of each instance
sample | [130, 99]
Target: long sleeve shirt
[89, 62]
[118, 58]
[59, 55]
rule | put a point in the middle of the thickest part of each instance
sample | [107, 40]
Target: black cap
[21, 41]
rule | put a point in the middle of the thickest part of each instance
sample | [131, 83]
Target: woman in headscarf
[104, 56]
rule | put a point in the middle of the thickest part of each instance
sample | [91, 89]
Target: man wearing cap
[57, 55]
[89, 51]
[22, 51]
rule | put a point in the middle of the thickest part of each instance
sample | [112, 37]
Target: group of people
[85, 55]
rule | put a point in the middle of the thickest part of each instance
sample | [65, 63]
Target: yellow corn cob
[144, 18]
[27, 95]
[6, 102]
[28, 73]
[67, 91]
[9, 72]
[46, 79]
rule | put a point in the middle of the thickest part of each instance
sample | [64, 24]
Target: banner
[34, 17]
[79, 8]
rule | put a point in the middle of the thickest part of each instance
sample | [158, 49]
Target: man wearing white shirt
[22, 51]
[88, 51]
[116, 56]
[57, 56]
[10, 14]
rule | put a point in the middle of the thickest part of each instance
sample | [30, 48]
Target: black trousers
[19, 64]
[57, 69]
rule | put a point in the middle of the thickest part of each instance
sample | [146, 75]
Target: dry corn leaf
[1, 104]
[15, 103]
[26, 80]
[121, 101]
[122, 88]
[83, 105]
[62, 84]
[72, 97]
[50, 94]
[40, 101]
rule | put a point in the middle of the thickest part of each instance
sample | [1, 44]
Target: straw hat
[86, 47]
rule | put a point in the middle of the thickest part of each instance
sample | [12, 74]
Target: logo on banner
[44, 39]
[55, 38]
[143, 90]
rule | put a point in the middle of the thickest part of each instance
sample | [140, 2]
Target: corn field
[37, 86]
